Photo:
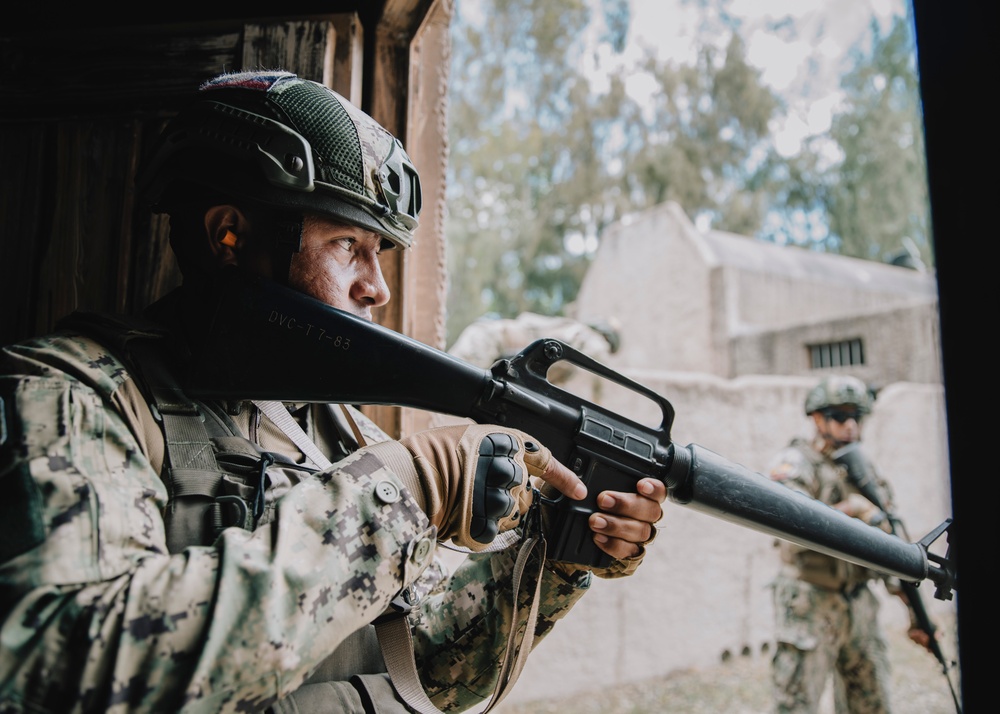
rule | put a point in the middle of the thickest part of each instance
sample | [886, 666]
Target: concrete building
[729, 305]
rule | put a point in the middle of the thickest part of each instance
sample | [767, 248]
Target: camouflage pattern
[822, 631]
[826, 615]
[839, 390]
[288, 142]
[485, 341]
[365, 163]
[463, 637]
[98, 616]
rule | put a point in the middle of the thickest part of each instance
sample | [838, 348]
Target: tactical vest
[819, 569]
[216, 479]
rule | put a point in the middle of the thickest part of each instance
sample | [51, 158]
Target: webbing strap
[188, 446]
[278, 414]
[395, 639]
[194, 482]
[396, 643]
[362, 442]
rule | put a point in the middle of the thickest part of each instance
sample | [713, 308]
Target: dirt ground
[742, 686]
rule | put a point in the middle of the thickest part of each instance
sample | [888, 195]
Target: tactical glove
[471, 481]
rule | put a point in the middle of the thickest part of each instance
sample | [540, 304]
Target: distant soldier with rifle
[826, 612]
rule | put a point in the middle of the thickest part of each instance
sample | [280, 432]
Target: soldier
[825, 610]
[486, 340]
[168, 554]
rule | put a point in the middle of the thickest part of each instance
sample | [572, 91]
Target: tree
[526, 143]
[877, 194]
[541, 163]
[707, 144]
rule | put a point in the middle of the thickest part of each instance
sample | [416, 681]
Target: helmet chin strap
[287, 241]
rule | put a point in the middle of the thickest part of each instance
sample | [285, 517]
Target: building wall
[702, 593]
[651, 279]
[728, 305]
[718, 325]
[900, 344]
[773, 286]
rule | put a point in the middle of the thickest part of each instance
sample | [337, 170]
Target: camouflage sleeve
[460, 634]
[791, 468]
[96, 613]
[885, 492]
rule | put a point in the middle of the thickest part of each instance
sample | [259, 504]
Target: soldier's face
[339, 265]
[839, 425]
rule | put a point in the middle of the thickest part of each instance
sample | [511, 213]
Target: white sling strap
[278, 414]
[397, 643]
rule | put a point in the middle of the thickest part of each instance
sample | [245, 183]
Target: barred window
[837, 354]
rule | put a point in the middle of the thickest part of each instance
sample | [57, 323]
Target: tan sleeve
[132, 406]
[399, 460]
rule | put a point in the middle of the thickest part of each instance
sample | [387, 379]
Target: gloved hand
[857, 506]
[471, 481]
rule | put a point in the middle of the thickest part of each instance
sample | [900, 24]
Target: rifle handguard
[261, 340]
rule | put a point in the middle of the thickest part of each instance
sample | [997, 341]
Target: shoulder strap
[805, 448]
[197, 509]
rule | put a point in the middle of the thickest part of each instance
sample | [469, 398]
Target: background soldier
[826, 612]
[167, 554]
[486, 340]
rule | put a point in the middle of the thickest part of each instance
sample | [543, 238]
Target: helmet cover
[840, 390]
[287, 142]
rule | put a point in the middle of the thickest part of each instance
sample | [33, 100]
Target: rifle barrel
[707, 482]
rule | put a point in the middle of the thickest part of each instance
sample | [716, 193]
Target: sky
[820, 36]
[784, 40]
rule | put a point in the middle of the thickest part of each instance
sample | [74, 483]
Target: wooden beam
[425, 281]
[389, 105]
[305, 47]
[348, 57]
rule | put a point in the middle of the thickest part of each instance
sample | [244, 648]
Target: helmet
[287, 143]
[838, 390]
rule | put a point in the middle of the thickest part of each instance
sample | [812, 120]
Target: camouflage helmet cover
[291, 143]
[839, 390]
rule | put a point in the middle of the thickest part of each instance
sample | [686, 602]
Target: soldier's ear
[225, 234]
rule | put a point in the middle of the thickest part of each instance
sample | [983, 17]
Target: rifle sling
[396, 642]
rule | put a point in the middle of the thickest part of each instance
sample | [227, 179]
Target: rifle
[862, 475]
[260, 340]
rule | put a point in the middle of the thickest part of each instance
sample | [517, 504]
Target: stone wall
[649, 268]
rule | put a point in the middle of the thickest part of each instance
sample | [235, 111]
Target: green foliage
[525, 157]
[878, 193]
[707, 145]
[541, 161]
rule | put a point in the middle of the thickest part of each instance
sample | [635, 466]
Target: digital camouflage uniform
[98, 616]
[486, 340]
[826, 613]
